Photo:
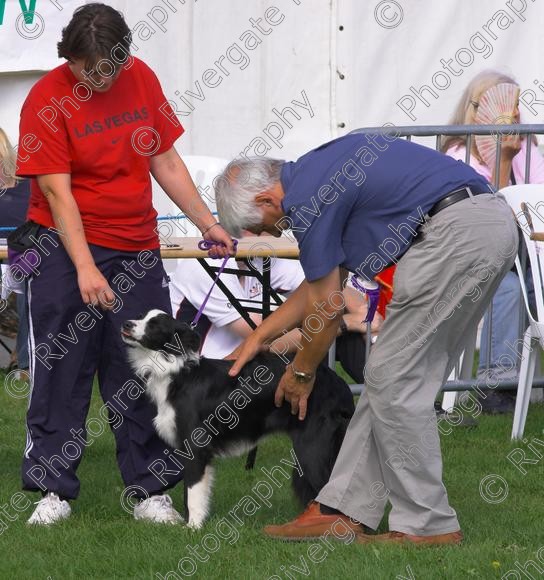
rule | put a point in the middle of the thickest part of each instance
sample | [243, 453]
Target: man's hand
[94, 287]
[247, 351]
[294, 392]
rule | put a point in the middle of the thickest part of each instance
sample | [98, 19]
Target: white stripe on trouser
[32, 365]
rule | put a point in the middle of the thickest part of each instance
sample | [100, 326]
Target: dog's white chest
[165, 420]
[165, 424]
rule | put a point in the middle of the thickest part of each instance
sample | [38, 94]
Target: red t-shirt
[105, 141]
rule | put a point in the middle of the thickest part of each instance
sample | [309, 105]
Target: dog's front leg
[198, 485]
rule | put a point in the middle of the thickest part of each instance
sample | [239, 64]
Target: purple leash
[206, 245]
[372, 290]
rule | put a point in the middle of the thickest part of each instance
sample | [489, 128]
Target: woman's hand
[294, 392]
[217, 234]
[94, 287]
[510, 146]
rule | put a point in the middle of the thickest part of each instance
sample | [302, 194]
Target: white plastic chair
[203, 170]
[533, 196]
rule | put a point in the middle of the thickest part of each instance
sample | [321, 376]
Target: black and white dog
[207, 413]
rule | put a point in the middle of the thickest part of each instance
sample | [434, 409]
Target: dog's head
[158, 331]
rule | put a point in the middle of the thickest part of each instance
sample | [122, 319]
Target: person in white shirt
[221, 326]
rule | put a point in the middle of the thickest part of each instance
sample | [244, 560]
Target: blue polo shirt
[357, 202]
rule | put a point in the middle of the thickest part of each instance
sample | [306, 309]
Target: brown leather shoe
[312, 524]
[402, 538]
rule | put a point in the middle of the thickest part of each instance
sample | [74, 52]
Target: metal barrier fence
[469, 131]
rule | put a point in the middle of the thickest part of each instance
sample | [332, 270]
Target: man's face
[267, 226]
[99, 79]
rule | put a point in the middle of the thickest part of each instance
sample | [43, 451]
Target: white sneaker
[49, 510]
[158, 509]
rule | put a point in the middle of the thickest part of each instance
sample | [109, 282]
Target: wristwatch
[301, 376]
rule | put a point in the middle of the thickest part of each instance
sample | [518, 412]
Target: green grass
[102, 541]
[342, 373]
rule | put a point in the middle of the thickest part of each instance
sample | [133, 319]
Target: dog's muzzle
[126, 330]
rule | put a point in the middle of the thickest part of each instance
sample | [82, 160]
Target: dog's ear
[184, 337]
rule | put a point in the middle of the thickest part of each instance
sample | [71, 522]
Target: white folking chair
[532, 220]
[203, 170]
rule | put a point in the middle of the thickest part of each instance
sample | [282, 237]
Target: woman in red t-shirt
[92, 132]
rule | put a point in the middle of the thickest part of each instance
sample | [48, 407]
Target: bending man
[361, 203]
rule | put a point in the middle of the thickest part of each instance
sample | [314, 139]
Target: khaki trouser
[442, 287]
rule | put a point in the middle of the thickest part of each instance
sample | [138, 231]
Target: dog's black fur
[188, 390]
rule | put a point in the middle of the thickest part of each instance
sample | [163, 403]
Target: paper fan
[497, 107]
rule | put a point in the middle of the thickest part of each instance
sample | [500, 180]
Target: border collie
[197, 401]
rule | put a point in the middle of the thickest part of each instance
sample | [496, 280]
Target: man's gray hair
[236, 188]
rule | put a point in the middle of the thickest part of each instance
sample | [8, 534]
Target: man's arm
[172, 175]
[241, 328]
[286, 317]
[93, 286]
[311, 300]
[324, 307]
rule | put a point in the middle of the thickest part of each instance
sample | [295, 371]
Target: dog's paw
[195, 524]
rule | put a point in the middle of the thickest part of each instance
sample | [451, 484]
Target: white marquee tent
[232, 66]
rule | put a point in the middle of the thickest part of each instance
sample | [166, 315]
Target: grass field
[102, 541]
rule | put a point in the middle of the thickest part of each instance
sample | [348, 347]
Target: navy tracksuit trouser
[69, 343]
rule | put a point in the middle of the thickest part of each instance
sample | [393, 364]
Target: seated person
[507, 299]
[13, 207]
[222, 328]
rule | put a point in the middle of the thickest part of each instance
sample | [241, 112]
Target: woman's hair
[8, 162]
[93, 33]
[236, 188]
[465, 111]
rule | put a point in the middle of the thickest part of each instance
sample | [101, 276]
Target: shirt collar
[286, 177]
